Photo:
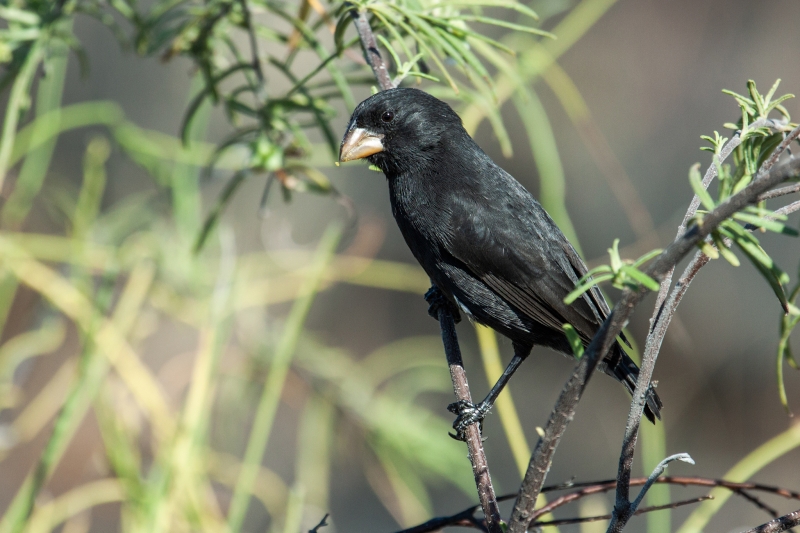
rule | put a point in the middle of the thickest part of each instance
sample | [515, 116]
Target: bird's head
[400, 130]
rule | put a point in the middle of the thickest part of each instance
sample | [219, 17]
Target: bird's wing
[512, 245]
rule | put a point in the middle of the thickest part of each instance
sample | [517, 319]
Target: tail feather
[624, 370]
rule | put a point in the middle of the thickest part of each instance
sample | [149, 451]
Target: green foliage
[758, 137]
[622, 274]
[789, 322]
[225, 39]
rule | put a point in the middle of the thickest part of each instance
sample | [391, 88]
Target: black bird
[483, 239]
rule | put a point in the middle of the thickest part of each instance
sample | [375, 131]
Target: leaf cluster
[440, 32]
[622, 273]
[242, 49]
[752, 155]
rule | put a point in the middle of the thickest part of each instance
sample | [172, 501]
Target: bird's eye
[387, 116]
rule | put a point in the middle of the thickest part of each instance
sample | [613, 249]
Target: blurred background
[359, 386]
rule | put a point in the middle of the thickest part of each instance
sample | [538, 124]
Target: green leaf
[640, 277]
[504, 24]
[647, 257]
[208, 91]
[213, 217]
[771, 225]
[342, 24]
[709, 250]
[724, 251]
[774, 276]
[582, 287]
[613, 254]
[574, 339]
[514, 6]
[697, 185]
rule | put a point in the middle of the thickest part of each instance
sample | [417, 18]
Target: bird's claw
[467, 413]
[436, 301]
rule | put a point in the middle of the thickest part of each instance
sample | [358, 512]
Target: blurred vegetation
[183, 450]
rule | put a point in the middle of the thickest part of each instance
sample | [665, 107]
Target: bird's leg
[436, 300]
[468, 413]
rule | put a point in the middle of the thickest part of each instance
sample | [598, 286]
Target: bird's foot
[467, 413]
[436, 300]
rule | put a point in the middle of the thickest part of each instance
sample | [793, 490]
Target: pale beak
[358, 143]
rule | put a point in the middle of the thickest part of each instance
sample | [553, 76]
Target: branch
[371, 52]
[602, 341]
[780, 192]
[322, 523]
[568, 521]
[783, 523]
[624, 509]
[472, 434]
[466, 518]
[480, 468]
[665, 310]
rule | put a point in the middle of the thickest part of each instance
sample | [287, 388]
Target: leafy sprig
[622, 273]
[756, 146]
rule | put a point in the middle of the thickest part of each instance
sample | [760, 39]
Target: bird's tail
[626, 372]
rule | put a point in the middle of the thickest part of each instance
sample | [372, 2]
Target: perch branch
[480, 468]
[371, 52]
[472, 434]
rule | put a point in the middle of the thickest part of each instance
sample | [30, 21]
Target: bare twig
[625, 509]
[567, 521]
[783, 191]
[472, 434]
[783, 523]
[758, 503]
[371, 52]
[788, 209]
[466, 518]
[322, 523]
[602, 341]
[480, 468]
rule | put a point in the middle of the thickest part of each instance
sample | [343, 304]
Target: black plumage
[483, 239]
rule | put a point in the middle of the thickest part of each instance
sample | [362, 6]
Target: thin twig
[788, 209]
[783, 191]
[568, 521]
[783, 523]
[758, 503]
[624, 509]
[565, 407]
[322, 523]
[371, 52]
[657, 471]
[466, 518]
